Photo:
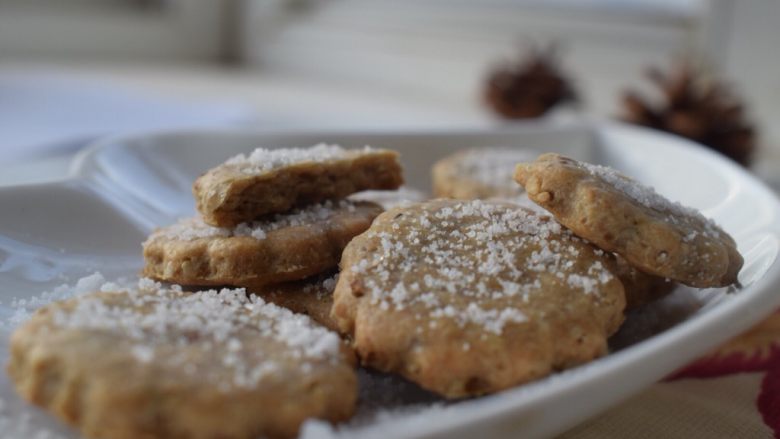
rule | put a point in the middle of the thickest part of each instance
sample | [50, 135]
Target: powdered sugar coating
[162, 323]
[190, 229]
[24, 307]
[648, 197]
[263, 160]
[473, 262]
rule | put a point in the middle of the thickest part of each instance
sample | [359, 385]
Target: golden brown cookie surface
[471, 297]
[267, 181]
[623, 216]
[479, 173]
[286, 247]
[158, 362]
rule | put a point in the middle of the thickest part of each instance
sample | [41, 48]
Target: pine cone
[528, 88]
[705, 112]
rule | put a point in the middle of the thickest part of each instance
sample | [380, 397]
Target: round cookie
[158, 362]
[472, 297]
[267, 181]
[479, 173]
[312, 297]
[620, 215]
[286, 247]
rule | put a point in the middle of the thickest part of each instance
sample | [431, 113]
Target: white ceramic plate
[123, 187]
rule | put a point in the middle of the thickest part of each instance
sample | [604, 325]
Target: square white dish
[123, 187]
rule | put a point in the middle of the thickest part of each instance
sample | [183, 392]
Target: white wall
[177, 30]
[445, 48]
[753, 60]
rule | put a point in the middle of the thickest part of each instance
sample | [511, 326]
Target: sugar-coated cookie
[621, 215]
[267, 181]
[285, 247]
[471, 297]
[155, 362]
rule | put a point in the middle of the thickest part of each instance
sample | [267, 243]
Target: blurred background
[72, 70]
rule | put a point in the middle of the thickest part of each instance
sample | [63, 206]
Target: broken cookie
[268, 181]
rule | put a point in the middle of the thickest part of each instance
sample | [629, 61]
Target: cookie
[479, 173]
[286, 247]
[620, 215]
[472, 297]
[267, 181]
[312, 297]
[641, 288]
[157, 362]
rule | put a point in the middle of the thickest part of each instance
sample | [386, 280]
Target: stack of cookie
[469, 297]
[487, 174]
[156, 361]
[275, 222]
[463, 297]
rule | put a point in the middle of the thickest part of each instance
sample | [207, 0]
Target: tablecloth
[733, 392]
